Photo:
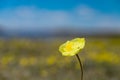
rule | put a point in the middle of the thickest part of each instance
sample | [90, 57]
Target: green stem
[80, 66]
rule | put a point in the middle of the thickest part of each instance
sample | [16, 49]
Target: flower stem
[80, 66]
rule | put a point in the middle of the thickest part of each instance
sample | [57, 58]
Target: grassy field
[28, 59]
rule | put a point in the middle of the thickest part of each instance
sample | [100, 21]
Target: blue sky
[102, 5]
[52, 14]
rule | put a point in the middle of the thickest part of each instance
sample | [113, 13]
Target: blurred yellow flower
[72, 47]
[5, 60]
[24, 62]
[51, 60]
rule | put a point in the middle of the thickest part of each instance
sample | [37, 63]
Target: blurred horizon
[60, 32]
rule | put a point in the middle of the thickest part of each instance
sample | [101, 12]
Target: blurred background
[31, 32]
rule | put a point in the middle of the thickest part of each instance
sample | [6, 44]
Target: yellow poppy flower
[72, 47]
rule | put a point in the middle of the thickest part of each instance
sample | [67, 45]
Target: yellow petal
[72, 47]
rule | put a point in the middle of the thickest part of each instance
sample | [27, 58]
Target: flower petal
[72, 47]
